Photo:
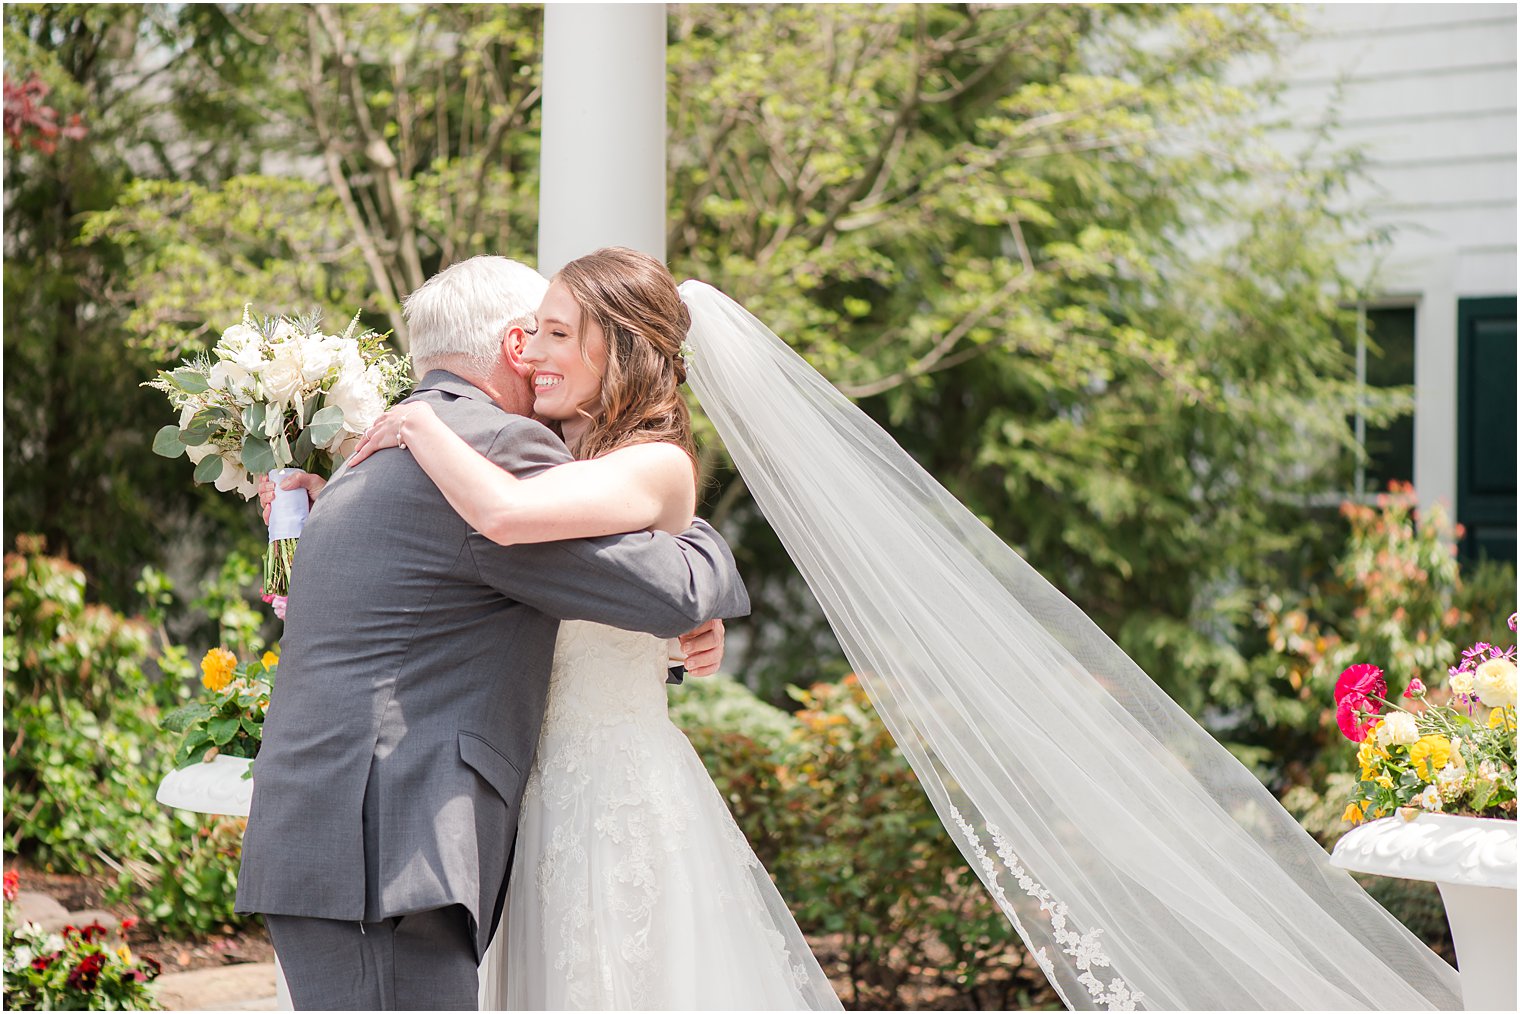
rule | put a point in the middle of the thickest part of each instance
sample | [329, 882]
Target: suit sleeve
[648, 581]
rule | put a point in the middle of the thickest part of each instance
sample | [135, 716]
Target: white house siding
[1428, 92]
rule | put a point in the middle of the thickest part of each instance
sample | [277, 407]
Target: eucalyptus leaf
[258, 456]
[210, 468]
[253, 418]
[304, 447]
[325, 425]
[167, 442]
[190, 381]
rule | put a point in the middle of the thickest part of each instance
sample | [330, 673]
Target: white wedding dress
[632, 886]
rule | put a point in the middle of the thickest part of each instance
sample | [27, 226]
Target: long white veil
[1139, 861]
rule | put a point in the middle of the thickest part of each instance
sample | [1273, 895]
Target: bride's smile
[568, 358]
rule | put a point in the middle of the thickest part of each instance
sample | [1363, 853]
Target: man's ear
[512, 349]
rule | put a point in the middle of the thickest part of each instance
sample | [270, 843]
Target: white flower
[227, 375]
[318, 355]
[1495, 682]
[358, 394]
[235, 477]
[1461, 683]
[54, 941]
[238, 335]
[1449, 781]
[22, 956]
[250, 356]
[1430, 799]
[1398, 729]
[282, 376]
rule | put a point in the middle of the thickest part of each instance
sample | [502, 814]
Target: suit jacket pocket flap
[490, 764]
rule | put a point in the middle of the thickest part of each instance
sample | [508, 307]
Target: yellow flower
[217, 668]
[270, 660]
[1429, 755]
[1355, 813]
[1385, 781]
[1501, 718]
[125, 953]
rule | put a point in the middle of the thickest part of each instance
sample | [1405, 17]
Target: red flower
[1415, 688]
[12, 884]
[87, 973]
[42, 961]
[153, 966]
[93, 931]
[127, 922]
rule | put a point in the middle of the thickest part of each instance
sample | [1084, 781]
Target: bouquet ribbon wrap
[287, 516]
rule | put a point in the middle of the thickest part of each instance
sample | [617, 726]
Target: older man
[413, 677]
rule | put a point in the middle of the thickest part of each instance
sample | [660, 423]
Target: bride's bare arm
[628, 490]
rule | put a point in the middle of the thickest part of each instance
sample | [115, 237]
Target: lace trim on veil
[1083, 948]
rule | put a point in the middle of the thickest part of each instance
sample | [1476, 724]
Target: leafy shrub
[85, 755]
[838, 818]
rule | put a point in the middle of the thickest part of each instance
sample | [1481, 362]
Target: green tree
[78, 468]
[1050, 248]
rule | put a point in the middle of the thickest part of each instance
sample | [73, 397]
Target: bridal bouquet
[1455, 754]
[275, 393]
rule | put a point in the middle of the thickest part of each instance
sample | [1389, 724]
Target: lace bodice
[605, 676]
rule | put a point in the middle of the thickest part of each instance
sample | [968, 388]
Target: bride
[1141, 864]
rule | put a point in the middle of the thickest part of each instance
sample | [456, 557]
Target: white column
[602, 164]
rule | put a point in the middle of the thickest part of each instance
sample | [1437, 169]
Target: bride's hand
[704, 648]
[387, 431]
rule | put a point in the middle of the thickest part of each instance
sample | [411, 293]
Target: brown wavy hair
[632, 297]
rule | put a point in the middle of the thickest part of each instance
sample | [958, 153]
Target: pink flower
[1358, 698]
[1415, 688]
[1512, 617]
[278, 601]
[1361, 680]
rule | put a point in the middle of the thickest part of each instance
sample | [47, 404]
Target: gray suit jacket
[413, 674]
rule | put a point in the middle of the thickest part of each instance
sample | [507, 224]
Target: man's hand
[305, 480]
[704, 648]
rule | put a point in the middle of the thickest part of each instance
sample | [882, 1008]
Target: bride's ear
[512, 350]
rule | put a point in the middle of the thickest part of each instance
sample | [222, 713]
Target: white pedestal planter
[1472, 860]
[218, 786]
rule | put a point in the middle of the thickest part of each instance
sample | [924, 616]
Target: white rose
[1398, 729]
[199, 452]
[281, 378]
[358, 395]
[1495, 683]
[1461, 683]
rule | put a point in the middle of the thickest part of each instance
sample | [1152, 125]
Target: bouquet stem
[277, 562]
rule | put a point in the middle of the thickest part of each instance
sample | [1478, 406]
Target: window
[1383, 345]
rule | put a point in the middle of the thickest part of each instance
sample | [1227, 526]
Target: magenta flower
[1415, 688]
[1358, 699]
[1512, 617]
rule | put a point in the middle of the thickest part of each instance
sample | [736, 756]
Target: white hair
[463, 311]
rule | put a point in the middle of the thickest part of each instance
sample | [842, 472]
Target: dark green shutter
[1486, 426]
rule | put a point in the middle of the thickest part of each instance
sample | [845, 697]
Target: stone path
[229, 987]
